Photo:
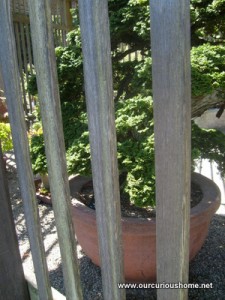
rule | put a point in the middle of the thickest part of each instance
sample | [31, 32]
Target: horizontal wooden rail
[21, 18]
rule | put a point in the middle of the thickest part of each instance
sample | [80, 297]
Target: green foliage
[207, 20]
[74, 121]
[129, 20]
[135, 135]
[129, 24]
[78, 155]
[209, 144]
[74, 124]
[32, 85]
[5, 137]
[37, 151]
[208, 69]
[70, 69]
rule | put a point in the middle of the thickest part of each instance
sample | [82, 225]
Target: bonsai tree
[135, 135]
[132, 84]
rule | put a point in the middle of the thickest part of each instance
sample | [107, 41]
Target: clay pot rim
[207, 206]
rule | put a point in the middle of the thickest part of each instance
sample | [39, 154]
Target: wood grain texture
[99, 96]
[170, 36]
[12, 280]
[48, 91]
[13, 94]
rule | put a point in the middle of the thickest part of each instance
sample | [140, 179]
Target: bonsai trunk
[202, 103]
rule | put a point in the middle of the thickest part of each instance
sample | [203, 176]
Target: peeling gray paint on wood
[48, 91]
[170, 36]
[99, 97]
[13, 94]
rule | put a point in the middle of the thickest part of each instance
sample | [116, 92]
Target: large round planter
[139, 235]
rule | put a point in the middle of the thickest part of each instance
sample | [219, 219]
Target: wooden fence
[171, 88]
[61, 23]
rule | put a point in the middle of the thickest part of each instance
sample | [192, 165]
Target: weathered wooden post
[170, 35]
[48, 92]
[68, 16]
[1, 86]
[13, 94]
[12, 281]
[99, 95]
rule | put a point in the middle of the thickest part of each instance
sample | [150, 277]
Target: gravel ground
[207, 267]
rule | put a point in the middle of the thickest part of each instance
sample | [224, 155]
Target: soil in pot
[128, 209]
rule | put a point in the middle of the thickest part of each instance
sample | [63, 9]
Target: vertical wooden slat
[19, 55]
[25, 63]
[30, 60]
[170, 36]
[10, 71]
[62, 13]
[12, 280]
[45, 64]
[68, 15]
[1, 86]
[14, 5]
[56, 29]
[99, 92]
[29, 49]
[57, 22]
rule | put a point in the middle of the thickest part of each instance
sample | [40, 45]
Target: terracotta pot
[139, 235]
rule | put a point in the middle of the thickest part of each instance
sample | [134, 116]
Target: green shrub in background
[38, 157]
[6, 137]
[135, 136]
